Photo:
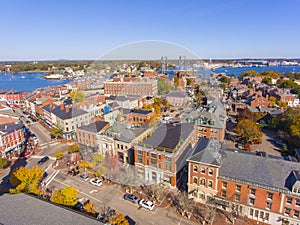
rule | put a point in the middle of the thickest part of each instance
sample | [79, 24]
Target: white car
[146, 204]
[96, 181]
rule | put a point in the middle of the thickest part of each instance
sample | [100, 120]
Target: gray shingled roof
[265, 171]
[207, 151]
[94, 127]
[63, 114]
[10, 127]
[21, 209]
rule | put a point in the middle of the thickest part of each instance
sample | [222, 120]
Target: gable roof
[71, 113]
[95, 127]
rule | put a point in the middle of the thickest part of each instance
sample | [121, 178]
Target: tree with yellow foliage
[26, 180]
[77, 96]
[85, 165]
[66, 196]
[89, 208]
[118, 219]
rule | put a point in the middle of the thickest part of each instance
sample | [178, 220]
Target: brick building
[88, 135]
[262, 188]
[131, 86]
[135, 116]
[178, 98]
[11, 137]
[210, 121]
[161, 156]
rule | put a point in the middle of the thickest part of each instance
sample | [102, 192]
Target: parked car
[73, 172]
[146, 204]
[79, 206]
[131, 198]
[96, 181]
[42, 160]
[84, 177]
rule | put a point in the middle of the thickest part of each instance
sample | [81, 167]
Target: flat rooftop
[168, 137]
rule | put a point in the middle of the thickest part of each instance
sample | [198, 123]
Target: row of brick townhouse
[266, 189]
[131, 86]
[11, 137]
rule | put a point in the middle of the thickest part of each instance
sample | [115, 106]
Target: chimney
[62, 107]
[67, 109]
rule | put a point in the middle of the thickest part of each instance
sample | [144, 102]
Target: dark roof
[207, 151]
[270, 172]
[177, 94]
[63, 114]
[297, 174]
[10, 127]
[95, 127]
[23, 209]
[168, 136]
[141, 111]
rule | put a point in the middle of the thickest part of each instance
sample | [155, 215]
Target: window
[168, 164]
[202, 181]
[223, 194]
[210, 184]
[289, 200]
[268, 205]
[195, 180]
[195, 194]
[298, 202]
[202, 170]
[261, 215]
[287, 211]
[256, 213]
[251, 212]
[270, 195]
[195, 169]
[252, 191]
[140, 156]
[267, 215]
[238, 188]
[210, 172]
[251, 201]
[224, 184]
[237, 197]
[296, 213]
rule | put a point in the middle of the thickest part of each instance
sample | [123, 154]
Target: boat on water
[23, 77]
[55, 77]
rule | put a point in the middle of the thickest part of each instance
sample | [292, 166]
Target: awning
[219, 202]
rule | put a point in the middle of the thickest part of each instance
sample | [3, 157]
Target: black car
[42, 160]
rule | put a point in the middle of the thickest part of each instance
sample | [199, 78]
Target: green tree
[272, 100]
[188, 81]
[295, 126]
[73, 148]
[100, 170]
[270, 73]
[163, 86]
[58, 155]
[267, 80]
[77, 96]
[288, 84]
[281, 104]
[118, 219]
[223, 86]
[66, 196]
[248, 131]
[176, 81]
[26, 180]
[56, 131]
[3, 163]
[225, 79]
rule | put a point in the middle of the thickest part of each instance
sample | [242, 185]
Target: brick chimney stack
[62, 107]
[67, 109]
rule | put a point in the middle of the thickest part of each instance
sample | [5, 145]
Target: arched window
[195, 180]
[202, 181]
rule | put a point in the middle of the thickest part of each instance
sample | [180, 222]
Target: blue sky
[35, 29]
